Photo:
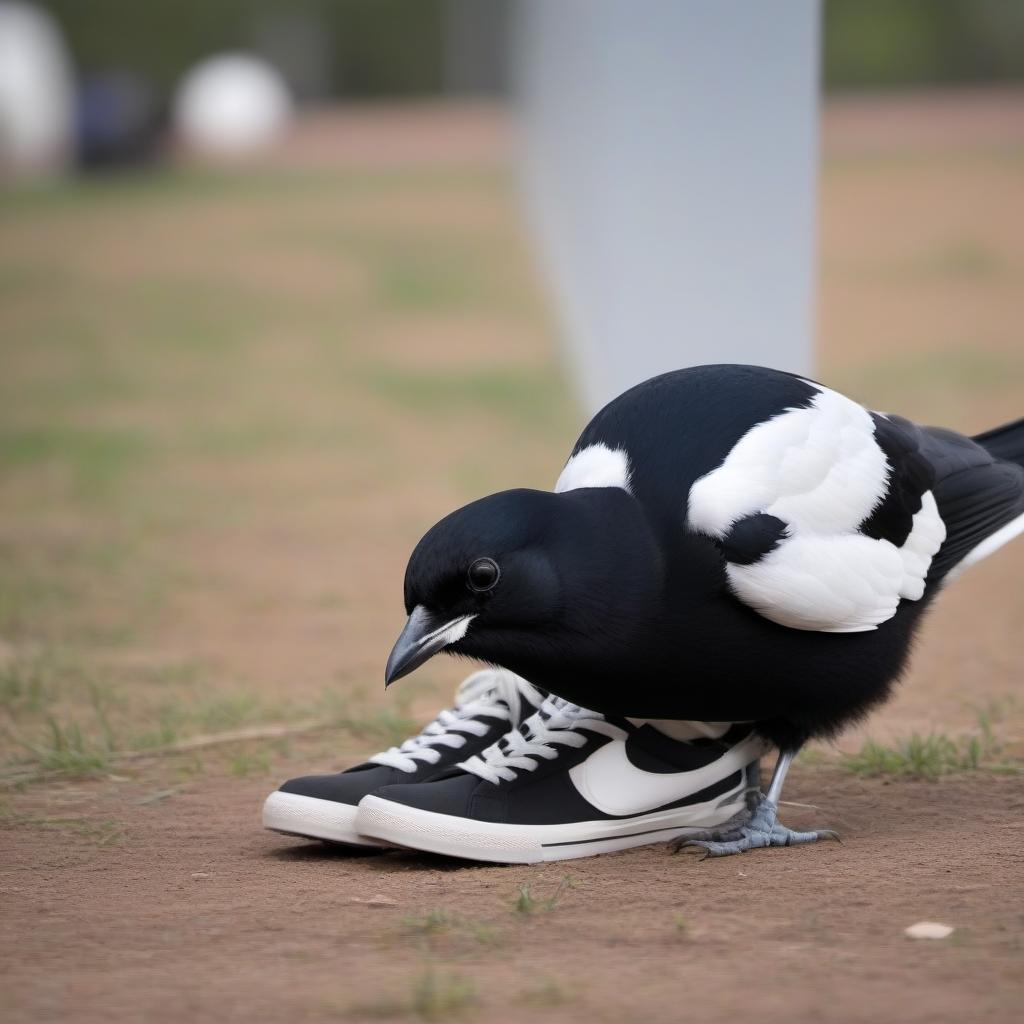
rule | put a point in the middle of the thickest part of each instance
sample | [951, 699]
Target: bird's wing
[825, 516]
[980, 498]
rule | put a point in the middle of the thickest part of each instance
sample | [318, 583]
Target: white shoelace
[492, 693]
[556, 723]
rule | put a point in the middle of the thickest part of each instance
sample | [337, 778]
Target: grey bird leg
[761, 828]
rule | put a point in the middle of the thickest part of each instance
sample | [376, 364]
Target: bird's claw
[761, 830]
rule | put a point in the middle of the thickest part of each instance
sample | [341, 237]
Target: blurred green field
[232, 401]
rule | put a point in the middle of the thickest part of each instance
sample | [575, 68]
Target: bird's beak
[424, 635]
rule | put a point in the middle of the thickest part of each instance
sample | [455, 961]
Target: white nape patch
[821, 471]
[992, 543]
[597, 465]
[450, 631]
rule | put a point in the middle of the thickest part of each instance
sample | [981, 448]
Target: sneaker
[571, 783]
[487, 705]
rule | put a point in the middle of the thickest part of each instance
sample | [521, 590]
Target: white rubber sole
[310, 818]
[400, 825]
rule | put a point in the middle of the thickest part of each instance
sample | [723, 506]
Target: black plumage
[609, 596]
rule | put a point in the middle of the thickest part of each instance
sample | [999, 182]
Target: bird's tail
[1005, 442]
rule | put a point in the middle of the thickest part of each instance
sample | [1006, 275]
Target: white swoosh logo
[614, 785]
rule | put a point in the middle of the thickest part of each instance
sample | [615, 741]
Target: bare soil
[252, 553]
[196, 914]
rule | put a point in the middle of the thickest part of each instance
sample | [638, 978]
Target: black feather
[751, 538]
[608, 599]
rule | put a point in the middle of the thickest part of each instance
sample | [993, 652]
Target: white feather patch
[597, 465]
[821, 471]
[843, 584]
[926, 537]
[818, 469]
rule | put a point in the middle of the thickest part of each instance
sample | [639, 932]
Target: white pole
[669, 158]
[37, 94]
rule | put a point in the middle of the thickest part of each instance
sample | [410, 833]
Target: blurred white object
[231, 105]
[670, 163]
[36, 91]
[928, 930]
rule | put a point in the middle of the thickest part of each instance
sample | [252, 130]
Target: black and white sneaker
[571, 783]
[487, 704]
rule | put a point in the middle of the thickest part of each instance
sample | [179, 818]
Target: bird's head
[522, 571]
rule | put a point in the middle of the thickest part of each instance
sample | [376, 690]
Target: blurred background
[268, 310]
[281, 284]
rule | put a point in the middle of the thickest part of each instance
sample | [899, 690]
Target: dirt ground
[230, 404]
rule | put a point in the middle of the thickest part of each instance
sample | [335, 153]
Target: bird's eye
[482, 575]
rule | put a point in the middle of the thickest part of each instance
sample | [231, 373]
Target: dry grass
[228, 410]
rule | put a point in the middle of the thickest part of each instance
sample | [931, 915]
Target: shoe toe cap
[451, 795]
[342, 787]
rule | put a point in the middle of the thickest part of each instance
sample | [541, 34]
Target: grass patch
[30, 597]
[219, 714]
[95, 458]
[434, 996]
[184, 717]
[85, 590]
[526, 904]
[432, 922]
[101, 833]
[25, 687]
[209, 320]
[958, 259]
[437, 996]
[962, 258]
[190, 191]
[64, 749]
[415, 282]
[95, 718]
[384, 726]
[550, 991]
[951, 372]
[529, 398]
[247, 762]
[927, 757]
[483, 934]
[457, 932]
[166, 732]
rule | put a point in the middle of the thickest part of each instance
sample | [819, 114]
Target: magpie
[725, 543]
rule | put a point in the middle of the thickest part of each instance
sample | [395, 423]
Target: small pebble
[375, 901]
[928, 930]
[201, 874]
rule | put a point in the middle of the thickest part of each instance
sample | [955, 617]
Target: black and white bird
[725, 543]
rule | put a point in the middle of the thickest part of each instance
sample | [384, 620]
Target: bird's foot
[761, 829]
